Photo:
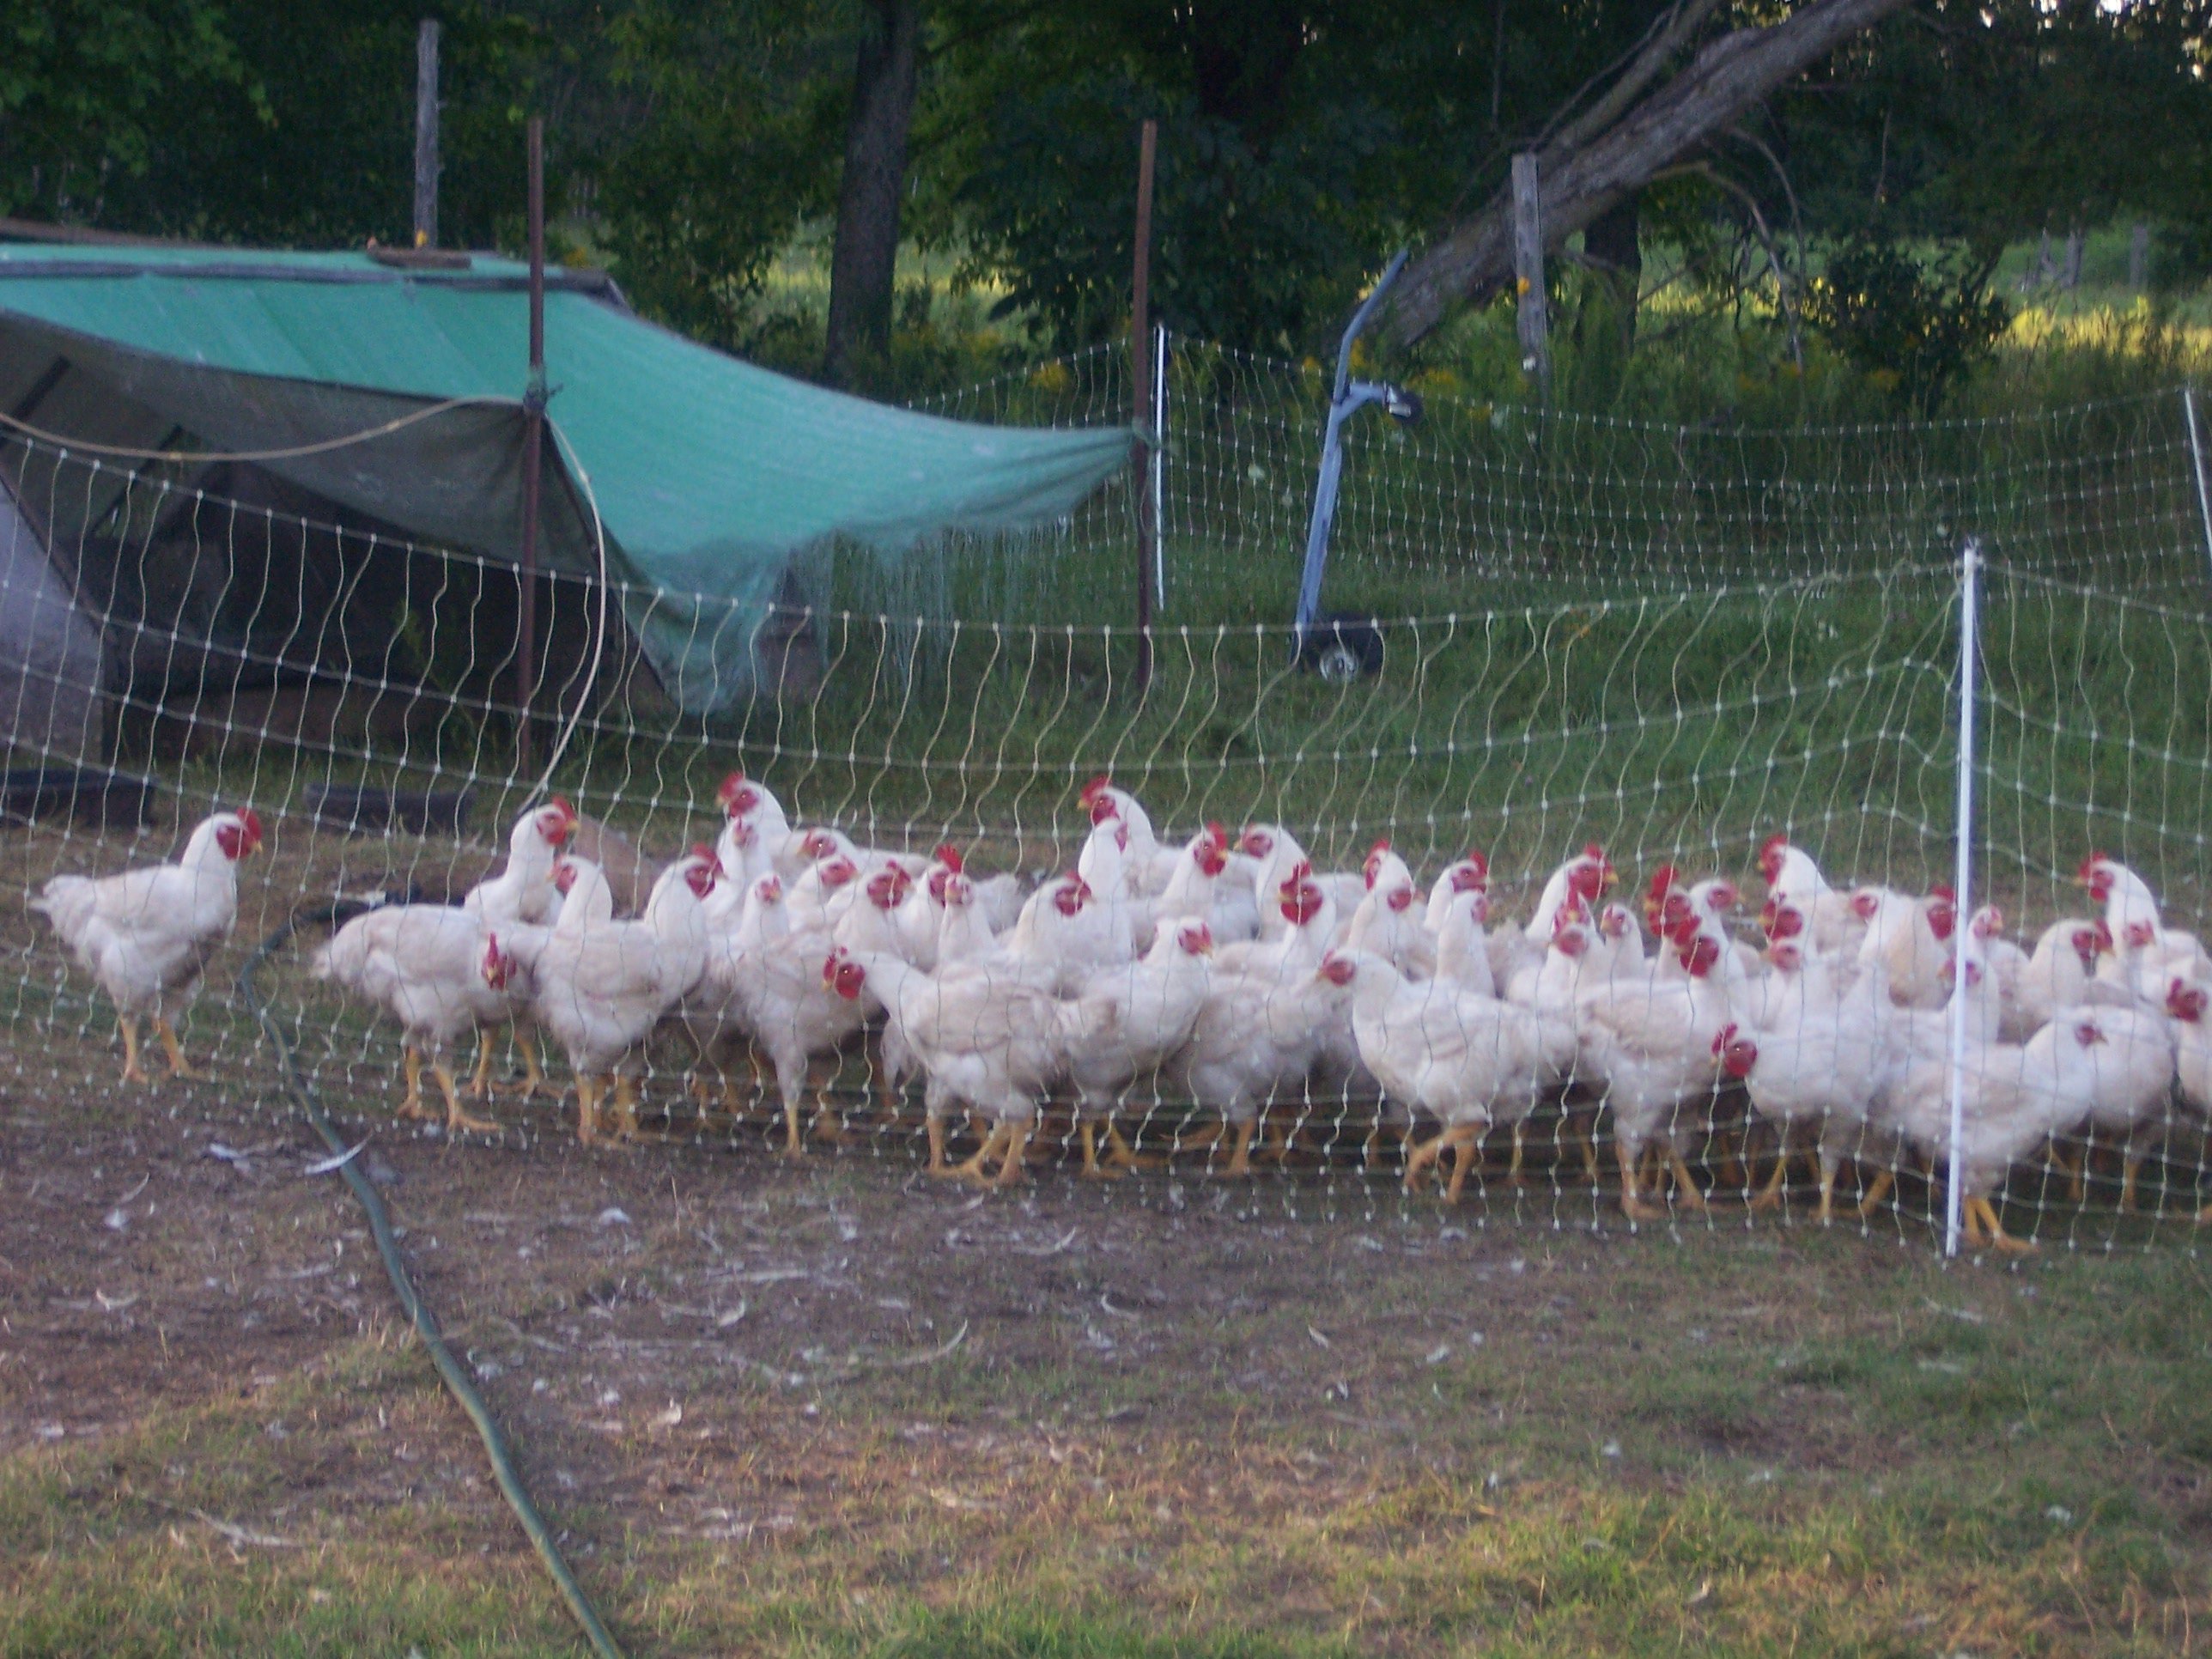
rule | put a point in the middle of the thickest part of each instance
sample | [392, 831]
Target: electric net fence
[1673, 643]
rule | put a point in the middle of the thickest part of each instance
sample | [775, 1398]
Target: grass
[1726, 1444]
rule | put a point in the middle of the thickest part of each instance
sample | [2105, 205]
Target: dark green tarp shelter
[709, 474]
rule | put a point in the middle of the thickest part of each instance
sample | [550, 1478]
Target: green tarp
[709, 474]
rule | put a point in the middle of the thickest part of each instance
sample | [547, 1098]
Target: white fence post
[2197, 465]
[1160, 465]
[1970, 566]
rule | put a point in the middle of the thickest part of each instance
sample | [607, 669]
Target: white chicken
[778, 993]
[148, 934]
[983, 1039]
[2057, 974]
[2146, 953]
[1266, 1020]
[1130, 1018]
[1820, 1059]
[1062, 931]
[426, 966]
[2131, 1065]
[1793, 878]
[523, 891]
[1152, 866]
[601, 985]
[1658, 1045]
[756, 839]
[1466, 1059]
[1384, 922]
[1275, 854]
[1912, 938]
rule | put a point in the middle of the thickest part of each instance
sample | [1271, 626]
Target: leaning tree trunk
[1598, 160]
[864, 260]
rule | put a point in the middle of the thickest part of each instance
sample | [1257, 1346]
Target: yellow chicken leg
[170, 1047]
[1998, 1238]
[480, 1077]
[1520, 1147]
[1686, 1186]
[411, 1064]
[1877, 1190]
[1240, 1157]
[1464, 1140]
[457, 1121]
[1010, 1171]
[973, 1169]
[1828, 1168]
[1769, 1195]
[587, 1110]
[937, 1166]
[1631, 1190]
[132, 1072]
[2130, 1166]
[1092, 1169]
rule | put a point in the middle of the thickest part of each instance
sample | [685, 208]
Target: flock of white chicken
[1235, 976]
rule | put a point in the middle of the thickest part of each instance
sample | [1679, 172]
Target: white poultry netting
[1783, 658]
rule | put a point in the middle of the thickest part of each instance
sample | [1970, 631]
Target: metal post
[1970, 567]
[1160, 465]
[533, 441]
[426, 134]
[1140, 374]
[1528, 272]
[2197, 465]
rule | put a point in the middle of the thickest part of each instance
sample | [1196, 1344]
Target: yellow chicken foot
[1877, 1190]
[457, 1121]
[2130, 1166]
[1998, 1238]
[534, 1080]
[1465, 1142]
[1010, 1172]
[1769, 1195]
[1092, 1169]
[132, 1072]
[794, 1143]
[1686, 1185]
[627, 1106]
[170, 1047]
[1631, 1188]
[972, 1169]
[1209, 1136]
[1418, 1161]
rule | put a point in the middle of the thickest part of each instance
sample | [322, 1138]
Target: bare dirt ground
[779, 1406]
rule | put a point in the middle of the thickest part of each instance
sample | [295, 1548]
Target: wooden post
[1140, 375]
[426, 134]
[2139, 256]
[2070, 277]
[1528, 273]
[533, 441]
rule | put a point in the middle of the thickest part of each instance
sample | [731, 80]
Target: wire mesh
[1675, 645]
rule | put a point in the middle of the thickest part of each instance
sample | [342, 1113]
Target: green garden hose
[425, 1323]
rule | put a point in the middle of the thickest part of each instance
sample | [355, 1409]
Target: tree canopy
[1300, 142]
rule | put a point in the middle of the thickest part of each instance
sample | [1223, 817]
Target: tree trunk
[864, 259]
[1585, 172]
[1614, 245]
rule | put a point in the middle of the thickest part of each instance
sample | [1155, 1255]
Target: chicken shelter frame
[393, 400]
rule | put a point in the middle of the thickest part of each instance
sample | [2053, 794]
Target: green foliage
[1916, 327]
[739, 141]
[1257, 246]
[88, 90]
